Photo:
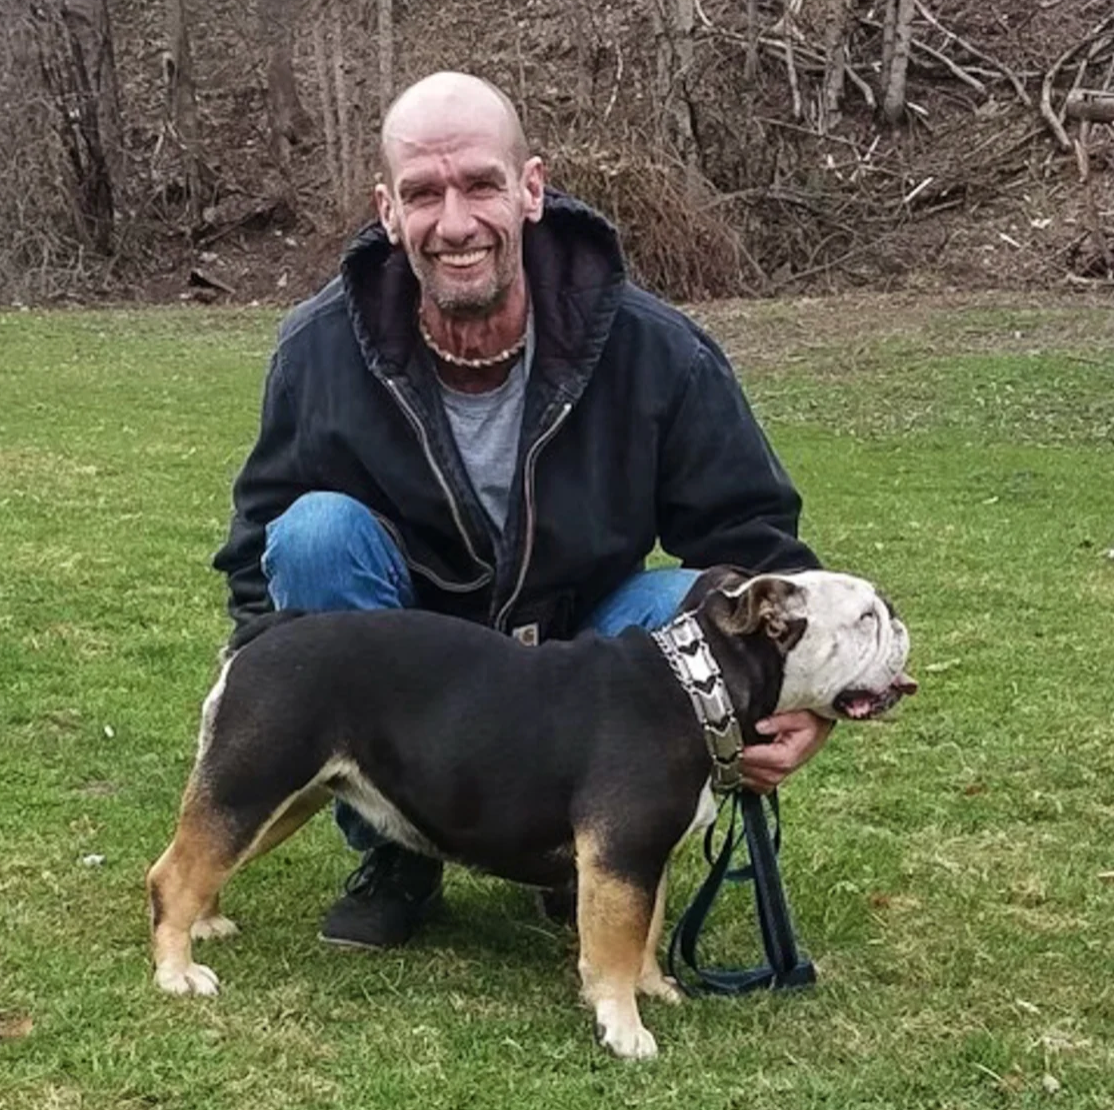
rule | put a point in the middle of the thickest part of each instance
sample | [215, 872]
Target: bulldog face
[843, 648]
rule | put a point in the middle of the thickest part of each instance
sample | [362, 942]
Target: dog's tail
[256, 627]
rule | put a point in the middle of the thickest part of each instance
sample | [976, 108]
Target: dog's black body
[537, 763]
[493, 751]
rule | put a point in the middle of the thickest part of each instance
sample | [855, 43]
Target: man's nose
[456, 224]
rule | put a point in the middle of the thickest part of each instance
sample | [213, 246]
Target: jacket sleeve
[272, 478]
[723, 496]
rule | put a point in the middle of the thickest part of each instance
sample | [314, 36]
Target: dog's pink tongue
[859, 707]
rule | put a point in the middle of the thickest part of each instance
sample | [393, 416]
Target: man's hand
[795, 739]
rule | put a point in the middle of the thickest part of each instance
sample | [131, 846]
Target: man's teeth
[465, 258]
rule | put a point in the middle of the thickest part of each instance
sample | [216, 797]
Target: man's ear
[533, 189]
[765, 605]
[388, 214]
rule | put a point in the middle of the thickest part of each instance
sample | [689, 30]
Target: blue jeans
[328, 551]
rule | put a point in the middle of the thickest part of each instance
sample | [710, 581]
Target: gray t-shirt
[486, 427]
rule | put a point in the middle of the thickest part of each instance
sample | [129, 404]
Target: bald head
[449, 102]
[458, 192]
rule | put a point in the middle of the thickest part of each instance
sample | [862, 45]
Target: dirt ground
[769, 335]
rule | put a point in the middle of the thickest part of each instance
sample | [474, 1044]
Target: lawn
[951, 870]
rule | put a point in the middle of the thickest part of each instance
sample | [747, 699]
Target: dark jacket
[634, 429]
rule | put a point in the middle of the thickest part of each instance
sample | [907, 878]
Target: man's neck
[478, 338]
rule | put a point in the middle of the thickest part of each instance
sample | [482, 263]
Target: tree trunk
[674, 23]
[889, 25]
[74, 42]
[181, 103]
[750, 69]
[893, 91]
[288, 121]
[835, 58]
[328, 105]
[386, 30]
[579, 17]
[343, 109]
[684, 16]
[663, 59]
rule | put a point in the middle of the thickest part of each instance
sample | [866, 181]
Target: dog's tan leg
[184, 885]
[185, 882]
[613, 920]
[211, 924]
[651, 981]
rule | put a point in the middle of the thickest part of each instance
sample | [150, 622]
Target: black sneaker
[386, 898]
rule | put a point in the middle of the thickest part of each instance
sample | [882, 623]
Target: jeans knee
[648, 599]
[329, 551]
[313, 532]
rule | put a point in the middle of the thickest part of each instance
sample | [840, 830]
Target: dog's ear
[767, 605]
[723, 578]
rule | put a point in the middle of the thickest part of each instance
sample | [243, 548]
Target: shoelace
[379, 866]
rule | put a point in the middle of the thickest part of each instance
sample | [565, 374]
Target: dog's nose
[905, 684]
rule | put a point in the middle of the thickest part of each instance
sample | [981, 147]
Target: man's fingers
[760, 786]
[778, 756]
[788, 722]
[794, 739]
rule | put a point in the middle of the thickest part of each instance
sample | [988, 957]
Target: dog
[587, 760]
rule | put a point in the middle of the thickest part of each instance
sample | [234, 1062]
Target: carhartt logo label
[527, 634]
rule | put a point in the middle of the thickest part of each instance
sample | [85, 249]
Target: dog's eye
[869, 615]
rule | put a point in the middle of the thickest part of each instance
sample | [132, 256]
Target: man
[483, 417]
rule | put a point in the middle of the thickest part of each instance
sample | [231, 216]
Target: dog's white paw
[213, 928]
[192, 979]
[624, 1033]
[629, 1043]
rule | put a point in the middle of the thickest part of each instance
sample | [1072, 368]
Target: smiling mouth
[862, 705]
[462, 260]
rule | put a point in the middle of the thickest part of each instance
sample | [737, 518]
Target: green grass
[946, 868]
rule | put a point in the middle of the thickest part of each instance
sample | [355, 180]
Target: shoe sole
[355, 945]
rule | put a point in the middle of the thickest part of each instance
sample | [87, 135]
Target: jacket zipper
[423, 437]
[528, 482]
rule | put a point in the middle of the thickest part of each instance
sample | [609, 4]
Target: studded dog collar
[687, 652]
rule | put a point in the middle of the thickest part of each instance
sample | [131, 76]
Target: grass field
[951, 871]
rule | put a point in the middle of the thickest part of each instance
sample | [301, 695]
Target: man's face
[457, 206]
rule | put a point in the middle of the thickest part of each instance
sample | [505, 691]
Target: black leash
[785, 966]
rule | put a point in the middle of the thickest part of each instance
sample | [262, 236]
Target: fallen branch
[1090, 104]
[1047, 112]
[618, 81]
[975, 52]
[780, 49]
[953, 68]
[199, 279]
[861, 85]
[791, 70]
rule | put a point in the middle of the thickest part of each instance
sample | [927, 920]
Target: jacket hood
[574, 268]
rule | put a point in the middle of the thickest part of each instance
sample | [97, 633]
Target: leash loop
[785, 966]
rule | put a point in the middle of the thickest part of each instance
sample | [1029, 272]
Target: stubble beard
[469, 302]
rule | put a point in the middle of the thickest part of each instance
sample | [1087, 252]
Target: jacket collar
[574, 268]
